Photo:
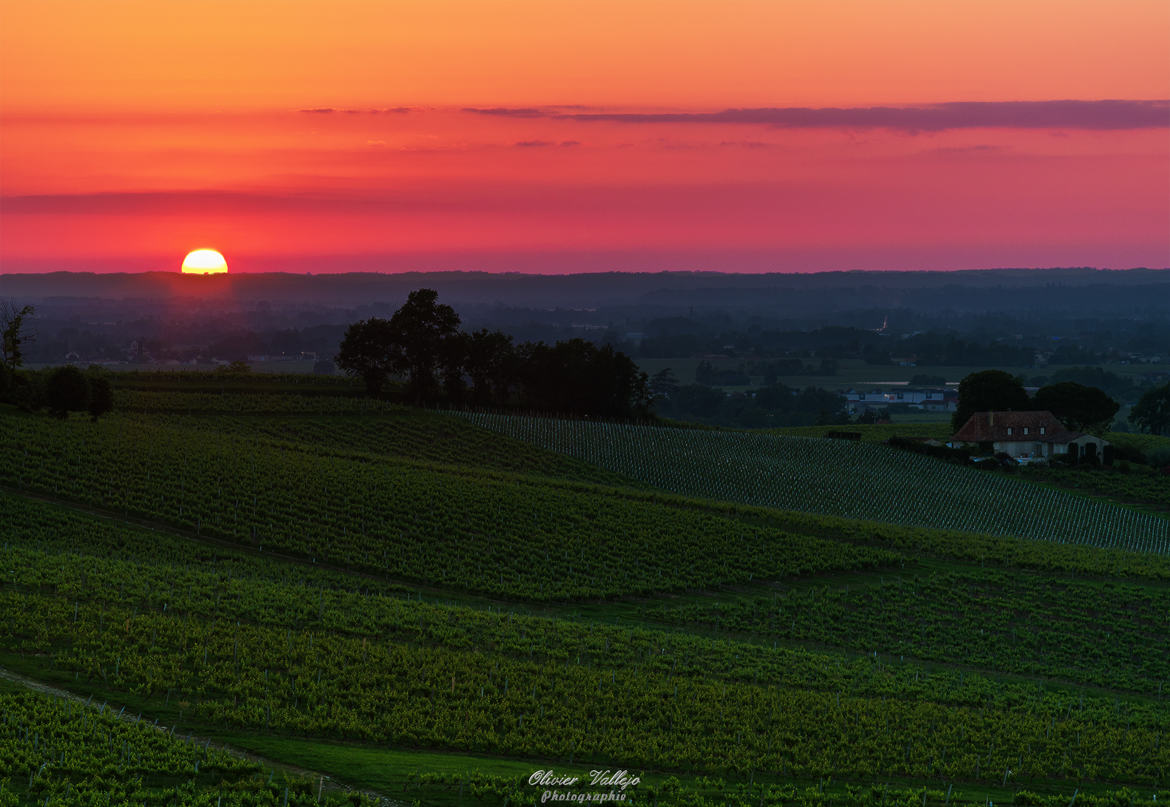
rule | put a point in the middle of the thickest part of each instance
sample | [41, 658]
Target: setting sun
[204, 262]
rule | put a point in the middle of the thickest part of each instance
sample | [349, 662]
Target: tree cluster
[423, 345]
[1078, 407]
[61, 390]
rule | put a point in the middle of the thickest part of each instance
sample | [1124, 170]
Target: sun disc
[204, 262]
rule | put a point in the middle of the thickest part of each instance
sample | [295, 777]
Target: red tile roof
[992, 427]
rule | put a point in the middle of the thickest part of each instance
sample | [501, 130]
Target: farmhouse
[1029, 436]
[937, 400]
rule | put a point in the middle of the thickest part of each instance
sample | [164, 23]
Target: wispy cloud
[745, 144]
[963, 151]
[328, 110]
[516, 112]
[546, 143]
[1105, 114]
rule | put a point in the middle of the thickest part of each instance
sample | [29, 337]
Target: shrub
[27, 391]
[66, 390]
[101, 396]
[1158, 457]
[1128, 453]
[957, 455]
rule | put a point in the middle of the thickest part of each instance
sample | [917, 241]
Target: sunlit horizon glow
[204, 262]
[747, 135]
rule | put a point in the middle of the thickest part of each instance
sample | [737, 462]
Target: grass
[1141, 442]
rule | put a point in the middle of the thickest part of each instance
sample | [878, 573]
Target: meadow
[273, 596]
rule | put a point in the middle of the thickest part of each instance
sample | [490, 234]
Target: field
[846, 478]
[261, 594]
[1127, 483]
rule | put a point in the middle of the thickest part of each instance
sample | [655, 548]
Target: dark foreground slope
[335, 593]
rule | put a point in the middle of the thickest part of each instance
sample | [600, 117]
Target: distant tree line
[771, 405]
[740, 376]
[421, 356]
[678, 337]
[1112, 384]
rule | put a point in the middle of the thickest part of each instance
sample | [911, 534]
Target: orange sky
[134, 130]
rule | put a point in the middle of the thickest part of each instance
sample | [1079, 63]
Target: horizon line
[374, 273]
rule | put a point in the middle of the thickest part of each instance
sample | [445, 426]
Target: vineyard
[1011, 621]
[405, 433]
[62, 752]
[500, 535]
[1124, 482]
[238, 648]
[839, 478]
[153, 401]
[1151, 489]
[413, 605]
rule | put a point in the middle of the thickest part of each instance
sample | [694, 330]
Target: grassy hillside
[405, 603]
[520, 536]
[841, 478]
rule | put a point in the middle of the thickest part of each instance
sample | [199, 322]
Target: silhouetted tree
[419, 341]
[663, 383]
[420, 330]
[1078, 407]
[989, 391]
[491, 363]
[12, 334]
[577, 377]
[423, 342]
[366, 352]
[453, 360]
[1152, 412]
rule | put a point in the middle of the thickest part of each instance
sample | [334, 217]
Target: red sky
[739, 135]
